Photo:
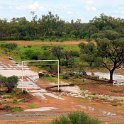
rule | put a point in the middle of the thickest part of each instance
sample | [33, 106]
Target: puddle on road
[116, 77]
[41, 109]
[102, 112]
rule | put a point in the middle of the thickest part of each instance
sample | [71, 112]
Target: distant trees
[51, 27]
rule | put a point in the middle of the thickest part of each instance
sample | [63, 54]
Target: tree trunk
[111, 76]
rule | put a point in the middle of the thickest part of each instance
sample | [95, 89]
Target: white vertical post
[58, 77]
[22, 74]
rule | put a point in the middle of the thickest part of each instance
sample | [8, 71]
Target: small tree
[57, 52]
[3, 80]
[67, 55]
[112, 55]
[88, 52]
[11, 83]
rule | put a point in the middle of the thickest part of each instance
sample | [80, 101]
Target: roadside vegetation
[102, 54]
[10, 83]
[11, 97]
[75, 118]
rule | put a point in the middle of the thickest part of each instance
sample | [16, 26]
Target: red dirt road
[48, 43]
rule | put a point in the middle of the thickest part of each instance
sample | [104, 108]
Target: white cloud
[90, 5]
[32, 7]
[89, 1]
[1, 7]
[91, 8]
[70, 12]
[62, 6]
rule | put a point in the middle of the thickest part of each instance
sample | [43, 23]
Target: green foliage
[9, 82]
[65, 76]
[89, 48]
[31, 105]
[8, 46]
[15, 101]
[12, 109]
[16, 109]
[57, 52]
[109, 34]
[88, 52]
[62, 120]
[51, 28]
[76, 118]
[107, 53]
[117, 91]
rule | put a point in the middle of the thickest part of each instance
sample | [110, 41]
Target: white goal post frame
[27, 61]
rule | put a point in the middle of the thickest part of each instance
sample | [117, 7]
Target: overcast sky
[66, 9]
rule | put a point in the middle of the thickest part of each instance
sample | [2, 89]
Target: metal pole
[58, 77]
[22, 74]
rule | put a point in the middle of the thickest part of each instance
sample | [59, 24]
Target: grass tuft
[76, 118]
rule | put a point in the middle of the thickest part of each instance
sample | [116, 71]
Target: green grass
[12, 109]
[50, 79]
[16, 109]
[75, 118]
[71, 47]
[31, 105]
[117, 91]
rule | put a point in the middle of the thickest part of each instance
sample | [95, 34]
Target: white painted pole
[22, 74]
[58, 77]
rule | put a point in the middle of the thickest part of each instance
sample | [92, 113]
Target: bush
[16, 109]
[9, 82]
[9, 46]
[76, 118]
[65, 76]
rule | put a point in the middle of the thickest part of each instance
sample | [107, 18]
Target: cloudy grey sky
[66, 9]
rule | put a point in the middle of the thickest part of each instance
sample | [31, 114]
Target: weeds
[76, 118]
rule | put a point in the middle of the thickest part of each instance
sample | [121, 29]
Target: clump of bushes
[9, 82]
[9, 46]
[76, 118]
[12, 109]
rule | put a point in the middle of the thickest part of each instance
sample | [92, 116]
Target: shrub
[15, 101]
[9, 46]
[11, 83]
[65, 76]
[16, 109]
[76, 118]
[62, 120]
[31, 105]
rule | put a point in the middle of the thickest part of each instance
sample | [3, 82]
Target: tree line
[51, 27]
